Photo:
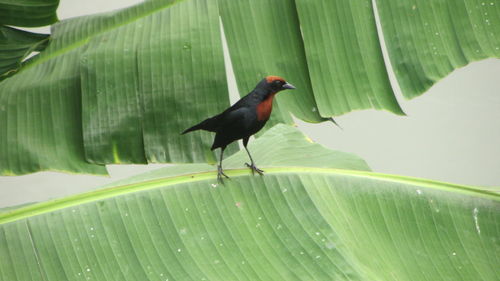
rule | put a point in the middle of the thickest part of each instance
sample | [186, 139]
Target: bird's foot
[220, 173]
[254, 169]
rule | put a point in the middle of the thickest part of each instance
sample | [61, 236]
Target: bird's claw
[254, 169]
[220, 173]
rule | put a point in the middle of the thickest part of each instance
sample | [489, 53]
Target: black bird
[243, 119]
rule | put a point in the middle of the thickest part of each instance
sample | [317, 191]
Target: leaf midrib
[57, 204]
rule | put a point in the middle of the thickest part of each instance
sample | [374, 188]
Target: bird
[243, 119]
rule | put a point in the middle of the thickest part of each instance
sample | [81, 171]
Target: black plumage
[243, 119]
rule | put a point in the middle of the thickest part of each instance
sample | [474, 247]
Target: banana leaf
[427, 40]
[344, 57]
[171, 59]
[302, 220]
[75, 113]
[119, 87]
[263, 38]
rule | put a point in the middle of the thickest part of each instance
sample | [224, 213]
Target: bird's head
[274, 84]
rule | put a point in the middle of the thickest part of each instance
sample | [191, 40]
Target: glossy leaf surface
[300, 221]
[171, 59]
[344, 56]
[264, 39]
[120, 87]
[426, 40]
[78, 111]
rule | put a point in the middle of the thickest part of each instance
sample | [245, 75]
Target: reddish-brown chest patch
[264, 108]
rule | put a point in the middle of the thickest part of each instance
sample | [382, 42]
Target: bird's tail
[194, 128]
[207, 125]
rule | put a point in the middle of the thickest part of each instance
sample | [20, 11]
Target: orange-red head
[272, 78]
[276, 84]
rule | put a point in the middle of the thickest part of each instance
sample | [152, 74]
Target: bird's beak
[288, 86]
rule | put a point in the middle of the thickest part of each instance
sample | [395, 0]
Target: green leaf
[15, 46]
[428, 40]
[28, 13]
[174, 80]
[64, 94]
[264, 39]
[294, 223]
[344, 57]
[41, 119]
[120, 87]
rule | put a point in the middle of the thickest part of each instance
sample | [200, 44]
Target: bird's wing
[233, 119]
[232, 126]
[243, 102]
[233, 115]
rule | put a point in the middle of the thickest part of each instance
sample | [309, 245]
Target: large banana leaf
[173, 65]
[301, 221]
[119, 87]
[426, 40]
[269, 44]
[344, 56]
[79, 104]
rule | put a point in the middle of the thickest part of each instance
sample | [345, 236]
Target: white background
[451, 133]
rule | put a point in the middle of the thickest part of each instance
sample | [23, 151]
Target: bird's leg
[252, 164]
[220, 172]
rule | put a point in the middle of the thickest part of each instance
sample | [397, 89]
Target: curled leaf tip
[334, 122]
